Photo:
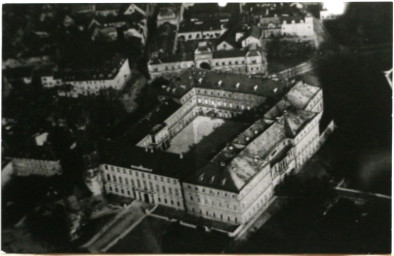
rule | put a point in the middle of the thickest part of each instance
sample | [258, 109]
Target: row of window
[217, 63]
[220, 104]
[198, 35]
[38, 163]
[129, 193]
[306, 130]
[142, 184]
[214, 215]
[305, 155]
[170, 202]
[257, 206]
[172, 67]
[306, 144]
[45, 172]
[210, 191]
[212, 202]
[140, 174]
[226, 94]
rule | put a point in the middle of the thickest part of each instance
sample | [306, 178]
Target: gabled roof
[265, 141]
[241, 83]
[252, 132]
[224, 42]
[294, 120]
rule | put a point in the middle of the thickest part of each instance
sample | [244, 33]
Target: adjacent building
[223, 57]
[38, 160]
[114, 73]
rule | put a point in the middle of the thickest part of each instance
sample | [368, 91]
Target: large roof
[125, 155]
[96, 68]
[240, 160]
[295, 120]
[233, 167]
[300, 94]
[229, 54]
[252, 132]
[203, 26]
[218, 80]
[109, 6]
[30, 151]
[172, 58]
[150, 121]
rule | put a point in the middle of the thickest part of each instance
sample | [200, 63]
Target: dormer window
[255, 87]
[212, 179]
[201, 178]
[223, 182]
[237, 85]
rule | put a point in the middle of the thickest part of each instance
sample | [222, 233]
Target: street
[120, 226]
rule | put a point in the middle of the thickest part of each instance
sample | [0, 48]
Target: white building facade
[239, 181]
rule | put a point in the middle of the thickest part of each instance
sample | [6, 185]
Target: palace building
[248, 60]
[237, 180]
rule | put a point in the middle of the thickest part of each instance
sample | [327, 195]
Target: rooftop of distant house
[100, 68]
[208, 11]
[271, 9]
[109, 6]
[200, 26]
[30, 151]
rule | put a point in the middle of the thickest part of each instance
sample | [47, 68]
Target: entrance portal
[146, 198]
[205, 65]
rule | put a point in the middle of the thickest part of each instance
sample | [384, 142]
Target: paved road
[120, 226]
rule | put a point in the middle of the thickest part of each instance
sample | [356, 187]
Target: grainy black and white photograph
[232, 128]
